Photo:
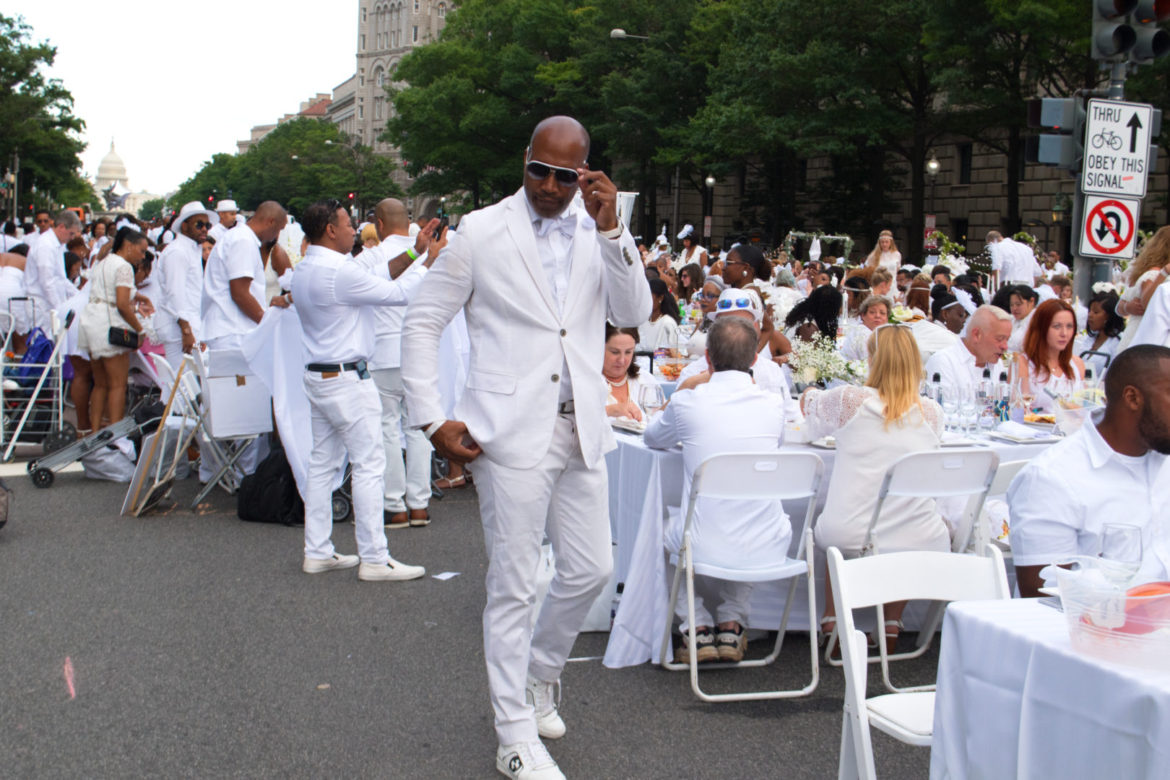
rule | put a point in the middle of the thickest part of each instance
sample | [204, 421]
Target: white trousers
[564, 499]
[406, 486]
[728, 599]
[344, 416]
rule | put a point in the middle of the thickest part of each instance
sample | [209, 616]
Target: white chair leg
[666, 660]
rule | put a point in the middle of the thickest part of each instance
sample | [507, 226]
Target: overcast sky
[173, 84]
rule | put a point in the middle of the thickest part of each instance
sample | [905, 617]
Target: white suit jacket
[519, 343]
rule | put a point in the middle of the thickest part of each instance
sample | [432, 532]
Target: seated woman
[746, 265]
[946, 310]
[1102, 335]
[622, 373]
[661, 329]
[856, 289]
[690, 281]
[1021, 303]
[1046, 366]
[815, 316]
[874, 425]
[697, 344]
[874, 312]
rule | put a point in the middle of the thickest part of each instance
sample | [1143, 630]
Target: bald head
[560, 131]
[391, 218]
[269, 219]
[988, 331]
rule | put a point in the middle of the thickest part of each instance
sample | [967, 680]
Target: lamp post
[708, 208]
[933, 166]
[618, 33]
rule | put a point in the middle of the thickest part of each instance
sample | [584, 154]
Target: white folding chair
[930, 474]
[1003, 479]
[880, 579]
[775, 476]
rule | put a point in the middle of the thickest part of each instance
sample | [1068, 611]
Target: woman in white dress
[111, 305]
[1149, 270]
[1047, 362]
[12, 286]
[874, 425]
[661, 330]
[276, 262]
[885, 254]
[691, 251]
[622, 374]
[1102, 334]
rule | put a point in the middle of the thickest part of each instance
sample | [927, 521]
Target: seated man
[961, 365]
[728, 413]
[1109, 472]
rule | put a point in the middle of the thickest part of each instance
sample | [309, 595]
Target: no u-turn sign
[1109, 228]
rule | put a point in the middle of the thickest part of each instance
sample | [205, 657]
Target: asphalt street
[189, 644]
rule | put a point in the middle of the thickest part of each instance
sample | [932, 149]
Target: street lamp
[708, 208]
[933, 166]
[621, 35]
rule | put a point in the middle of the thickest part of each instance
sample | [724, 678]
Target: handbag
[120, 337]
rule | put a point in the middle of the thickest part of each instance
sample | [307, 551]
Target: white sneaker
[527, 761]
[390, 570]
[338, 561]
[544, 698]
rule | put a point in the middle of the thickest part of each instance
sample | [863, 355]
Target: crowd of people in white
[557, 296]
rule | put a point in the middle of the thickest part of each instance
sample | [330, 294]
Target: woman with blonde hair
[885, 254]
[1149, 270]
[875, 425]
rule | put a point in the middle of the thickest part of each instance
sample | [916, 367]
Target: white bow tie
[567, 225]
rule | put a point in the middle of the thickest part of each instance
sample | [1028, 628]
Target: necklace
[617, 384]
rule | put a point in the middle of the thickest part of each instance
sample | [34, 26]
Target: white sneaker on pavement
[527, 761]
[544, 698]
[338, 561]
[391, 570]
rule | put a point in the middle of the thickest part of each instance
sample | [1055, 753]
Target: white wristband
[614, 233]
[429, 431]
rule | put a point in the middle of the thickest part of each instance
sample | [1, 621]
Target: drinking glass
[950, 406]
[1121, 552]
[968, 410]
[651, 398]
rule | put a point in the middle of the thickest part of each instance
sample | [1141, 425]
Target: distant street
[199, 649]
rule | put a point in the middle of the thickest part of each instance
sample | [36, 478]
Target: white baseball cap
[733, 299]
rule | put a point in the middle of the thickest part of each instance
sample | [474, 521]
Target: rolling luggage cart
[32, 396]
[41, 470]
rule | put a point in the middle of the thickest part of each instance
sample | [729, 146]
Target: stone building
[111, 176]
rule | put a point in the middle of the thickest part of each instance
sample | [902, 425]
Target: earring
[744, 273]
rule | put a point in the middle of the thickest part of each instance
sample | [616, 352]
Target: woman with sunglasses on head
[874, 425]
[661, 330]
[708, 295]
[1102, 334]
[1046, 366]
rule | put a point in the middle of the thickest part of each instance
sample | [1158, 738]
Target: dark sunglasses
[540, 171]
[200, 224]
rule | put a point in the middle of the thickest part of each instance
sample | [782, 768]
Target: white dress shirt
[334, 298]
[236, 257]
[218, 231]
[44, 275]
[955, 366]
[1154, 327]
[931, 337]
[1062, 499]
[1015, 262]
[727, 414]
[388, 319]
[554, 244]
[179, 277]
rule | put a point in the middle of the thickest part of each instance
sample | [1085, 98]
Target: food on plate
[1039, 417]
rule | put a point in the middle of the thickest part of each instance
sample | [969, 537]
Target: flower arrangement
[902, 313]
[1105, 287]
[819, 361]
[950, 253]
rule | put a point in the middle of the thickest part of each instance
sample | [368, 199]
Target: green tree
[36, 114]
[151, 209]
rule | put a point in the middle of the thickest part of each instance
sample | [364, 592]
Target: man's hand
[422, 241]
[453, 442]
[280, 301]
[188, 341]
[435, 247]
[600, 196]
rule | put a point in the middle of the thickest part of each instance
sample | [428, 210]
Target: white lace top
[827, 410]
[1131, 294]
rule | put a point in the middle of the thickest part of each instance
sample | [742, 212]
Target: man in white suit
[537, 276]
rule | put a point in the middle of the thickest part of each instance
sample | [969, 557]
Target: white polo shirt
[1062, 499]
[955, 366]
[236, 257]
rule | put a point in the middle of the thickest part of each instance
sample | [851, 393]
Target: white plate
[628, 425]
[825, 443]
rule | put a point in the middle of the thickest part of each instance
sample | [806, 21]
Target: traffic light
[1062, 143]
[1150, 41]
[351, 196]
[1113, 37]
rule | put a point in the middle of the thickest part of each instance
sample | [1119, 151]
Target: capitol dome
[111, 170]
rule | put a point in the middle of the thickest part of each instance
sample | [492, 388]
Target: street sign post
[1117, 148]
[1110, 227]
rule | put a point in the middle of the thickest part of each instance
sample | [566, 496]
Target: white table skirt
[1015, 700]
[642, 483]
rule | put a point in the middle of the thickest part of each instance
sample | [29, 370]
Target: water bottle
[932, 387]
[1003, 393]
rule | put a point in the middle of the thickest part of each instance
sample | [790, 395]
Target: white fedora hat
[226, 205]
[194, 209]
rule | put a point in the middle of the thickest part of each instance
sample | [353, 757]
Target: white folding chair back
[880, 579]
[765, 476]
[1004, 475]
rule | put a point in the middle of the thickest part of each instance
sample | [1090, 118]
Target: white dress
[101, 313]
[663, 332]
[12, 286]
[1058, 385]
[865, 449]
[891, 261]
[1096, 363]
[1131, 294]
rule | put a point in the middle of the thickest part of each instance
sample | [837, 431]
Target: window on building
[361, 112]
[363, 46]
[414, 35]
[416, 4]
[959, 227]
[965, 152]
[442, 10]
[361, 81]
[378, 101]
[363, 15]
[380, 77]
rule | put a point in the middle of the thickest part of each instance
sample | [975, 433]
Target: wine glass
[651, 398]
[969, 410]
[1121, 552]
[950, 406]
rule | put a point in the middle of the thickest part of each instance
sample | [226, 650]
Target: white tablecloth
[638, 525]
[1015, 700]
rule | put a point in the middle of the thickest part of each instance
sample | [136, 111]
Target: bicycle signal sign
[1110, 227]
[1117, 148]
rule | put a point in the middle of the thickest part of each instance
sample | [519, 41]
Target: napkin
[1021, 431]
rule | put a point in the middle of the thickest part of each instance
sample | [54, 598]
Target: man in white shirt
[179, 273]
[44, 221]
[1110, 472]
[44, 272]
[961, 365]
[537, 276]
[232, 302]
[334, 299]
[1014, 261]
[227, 211]
[406, 485]
[728, 413]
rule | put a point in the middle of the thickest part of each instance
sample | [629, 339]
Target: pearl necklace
[618, 384]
